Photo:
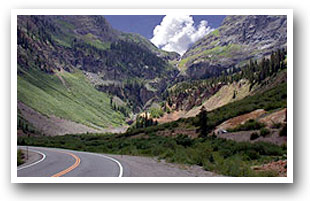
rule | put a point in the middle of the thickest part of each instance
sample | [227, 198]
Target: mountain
[81, 69]
[238, 39]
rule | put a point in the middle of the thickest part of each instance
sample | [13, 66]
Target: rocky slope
[55, 52]
[238, 39]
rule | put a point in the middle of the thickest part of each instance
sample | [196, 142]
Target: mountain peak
[238, 39]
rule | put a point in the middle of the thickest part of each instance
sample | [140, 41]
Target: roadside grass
[20, 157]
[222, 156]
[77, 100]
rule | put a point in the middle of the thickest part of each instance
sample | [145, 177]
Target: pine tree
[234, 96]
[203, 129]
[111, 101]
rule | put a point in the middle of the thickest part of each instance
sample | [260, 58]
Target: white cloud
[177, 33]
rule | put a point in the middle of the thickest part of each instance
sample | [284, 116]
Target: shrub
[20, 157]
[183, 140]
[249, 125]
[283, 131]
[264, 132]
[222, 156]
[254, 136]
[156, 112]
[276, 125]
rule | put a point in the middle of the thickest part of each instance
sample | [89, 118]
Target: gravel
[137, 166]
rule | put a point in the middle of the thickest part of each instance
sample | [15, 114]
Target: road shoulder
[32, 157]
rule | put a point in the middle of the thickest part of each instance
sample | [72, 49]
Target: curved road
[55, 162]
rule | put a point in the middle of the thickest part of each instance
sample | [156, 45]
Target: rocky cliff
[238, 39]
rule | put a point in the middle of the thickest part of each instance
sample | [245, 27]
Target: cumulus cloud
[177, 33]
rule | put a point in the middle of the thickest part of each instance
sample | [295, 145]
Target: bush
[20, 157]
[276, 125]
[222, 156]
[254, 136]
[264, 132]
[283, 131]
[249, 125]
[156, 112]
[268, 100]
[184, 140]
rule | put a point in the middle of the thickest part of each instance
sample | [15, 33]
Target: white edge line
[101, 155]
[32, 164]
[90, 153]
[112, 159]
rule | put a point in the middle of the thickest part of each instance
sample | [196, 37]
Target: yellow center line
[63, 172]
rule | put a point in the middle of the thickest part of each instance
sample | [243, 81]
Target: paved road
[55, 162]
[49, 162]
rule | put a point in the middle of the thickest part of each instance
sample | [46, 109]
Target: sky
[171, 32]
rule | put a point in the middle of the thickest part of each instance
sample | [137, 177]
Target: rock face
[237, 40]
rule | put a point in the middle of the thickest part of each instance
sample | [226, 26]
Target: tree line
[255, 71]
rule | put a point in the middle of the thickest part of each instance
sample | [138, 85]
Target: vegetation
[121, 108]
[130, 91]
[52, 59]
[271, 99]
[203, 128]
[264, 132]
[156, 112]
[144, 121]
[73, 99]
[20, 157]
[254, 136]
[221, 156]
[247, 126]
[216, 52]
[283, 131]
[256, 72]
[24, 125]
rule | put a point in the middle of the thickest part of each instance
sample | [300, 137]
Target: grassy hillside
[222, 156]
[67, 95]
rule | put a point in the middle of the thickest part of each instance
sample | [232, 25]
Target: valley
[222, 105]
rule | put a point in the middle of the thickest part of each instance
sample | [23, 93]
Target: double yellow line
[63, 172]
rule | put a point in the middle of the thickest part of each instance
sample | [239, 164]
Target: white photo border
[287, 12]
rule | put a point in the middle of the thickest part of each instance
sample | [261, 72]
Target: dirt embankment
[280, 167]
[260, 115]
[51, 125]
[227, 94]
[269, 119]
[276, 117]
[173, 116]
[235, 121]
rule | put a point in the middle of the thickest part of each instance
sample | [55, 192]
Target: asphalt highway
[54, 162]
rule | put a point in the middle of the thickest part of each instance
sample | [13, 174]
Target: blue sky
[171, 33]
[145, 24]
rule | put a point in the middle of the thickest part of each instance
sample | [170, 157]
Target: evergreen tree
[234, 96]
[203, 129]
